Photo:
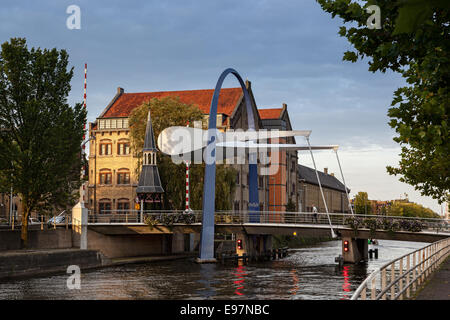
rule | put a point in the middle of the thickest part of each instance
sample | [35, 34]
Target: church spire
[149, 180]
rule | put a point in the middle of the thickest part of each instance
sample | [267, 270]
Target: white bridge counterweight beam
[333, 235]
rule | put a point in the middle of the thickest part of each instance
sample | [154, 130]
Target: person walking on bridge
[315, 214]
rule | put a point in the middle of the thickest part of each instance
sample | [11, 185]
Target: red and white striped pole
[84, 100]
[83, 192]
[187, 186]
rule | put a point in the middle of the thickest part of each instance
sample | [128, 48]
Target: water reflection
[182, 279]
[295, 286]
[239, 273]
[346, 285]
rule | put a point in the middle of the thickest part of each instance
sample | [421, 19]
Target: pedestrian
[315, 213]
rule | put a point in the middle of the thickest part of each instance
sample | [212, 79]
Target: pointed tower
[149, 188]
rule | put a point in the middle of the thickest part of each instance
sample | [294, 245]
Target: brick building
[283, 184]
[112, 166]
[309, 192]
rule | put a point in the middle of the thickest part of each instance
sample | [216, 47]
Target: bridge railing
[402, 277]
[266, 217]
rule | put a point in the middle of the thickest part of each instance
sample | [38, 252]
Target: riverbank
[32, 263]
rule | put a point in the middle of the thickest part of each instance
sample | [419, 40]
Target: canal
[307, 273]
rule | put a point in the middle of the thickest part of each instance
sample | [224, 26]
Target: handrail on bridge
[403, 276]
[266, 217]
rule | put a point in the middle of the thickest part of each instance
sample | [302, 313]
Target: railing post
[392, 281]
[414, 273]
[383, 283]
[373, 293]
[408, 266]
[400, 285]
[363, 294]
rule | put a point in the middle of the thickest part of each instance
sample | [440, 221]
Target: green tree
[40, 134]
[167, 112]
[413, 41]
[408, 209]
[362, 203]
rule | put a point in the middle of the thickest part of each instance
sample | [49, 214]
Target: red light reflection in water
[295, 281]
[240, 274]
[346, 285]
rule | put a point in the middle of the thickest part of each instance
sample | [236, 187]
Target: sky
[290, 50]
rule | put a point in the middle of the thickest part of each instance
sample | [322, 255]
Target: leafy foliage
[40, 134]
[407, 209]
[413, 41]
[362, 203]
[385, 224]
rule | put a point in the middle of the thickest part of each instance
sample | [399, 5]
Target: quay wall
[25, 263]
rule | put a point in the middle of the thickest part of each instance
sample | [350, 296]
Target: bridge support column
[79, 224]
[357, 250]
[253, 245]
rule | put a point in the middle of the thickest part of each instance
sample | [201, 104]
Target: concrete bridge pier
[253, 245]
[354, 250]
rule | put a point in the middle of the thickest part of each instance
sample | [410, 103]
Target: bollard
[340, 260]
[370, 254]
[274, 254]
[376, 253]
[244, 258]
[279, 253]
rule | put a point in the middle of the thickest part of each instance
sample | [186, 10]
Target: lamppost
[11, 198]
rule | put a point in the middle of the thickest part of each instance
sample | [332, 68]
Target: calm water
[307, 273]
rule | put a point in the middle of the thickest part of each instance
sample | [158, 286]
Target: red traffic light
[239, 244]
[345, 246]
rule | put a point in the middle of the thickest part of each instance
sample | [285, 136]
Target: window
[123, 205]
[104, 206]
[237, 178]
[123, 148]
[106, 177]
[123, 177]
[105, 148]
[260, 182]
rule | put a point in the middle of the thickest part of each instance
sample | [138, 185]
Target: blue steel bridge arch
[209, 190]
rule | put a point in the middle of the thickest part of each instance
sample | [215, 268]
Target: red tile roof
[270, 113]
[228, 100]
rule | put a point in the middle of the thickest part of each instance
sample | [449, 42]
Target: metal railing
[263, 217]
[402, 277]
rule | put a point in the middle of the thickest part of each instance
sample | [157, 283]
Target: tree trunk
[24, 231]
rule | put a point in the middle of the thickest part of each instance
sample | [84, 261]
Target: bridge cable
[333, 235]
[343, 180]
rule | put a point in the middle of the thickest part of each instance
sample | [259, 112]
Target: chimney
[248, 84]
[332, 174]
[120, 90]
[284, 106]
[325, 170]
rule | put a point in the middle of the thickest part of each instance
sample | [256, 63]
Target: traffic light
[239, 244]
[345, 246]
